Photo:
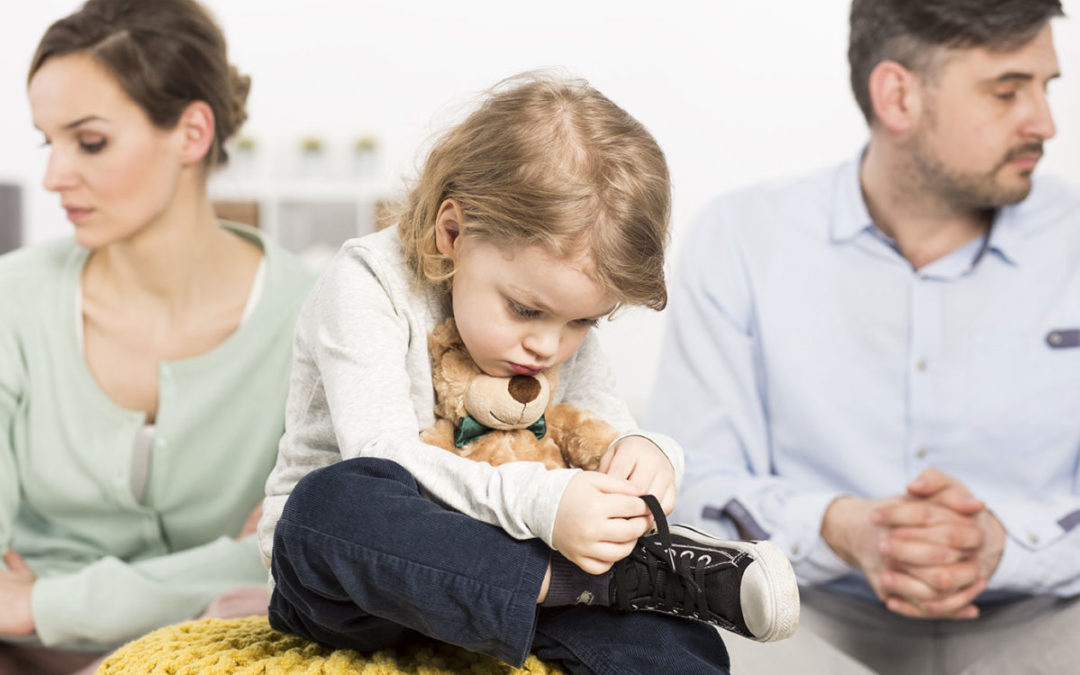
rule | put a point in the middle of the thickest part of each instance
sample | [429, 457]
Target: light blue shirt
[806, 359]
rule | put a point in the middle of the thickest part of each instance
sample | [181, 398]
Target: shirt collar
[851, 217]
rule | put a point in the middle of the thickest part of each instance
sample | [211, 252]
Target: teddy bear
[507, 419]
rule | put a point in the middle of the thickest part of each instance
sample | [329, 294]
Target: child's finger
[624, 530]
[613, 485]
[622, 465]
[623, 506]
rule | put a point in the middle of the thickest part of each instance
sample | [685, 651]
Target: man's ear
[449, 225]
[897, 96]
[196, 132]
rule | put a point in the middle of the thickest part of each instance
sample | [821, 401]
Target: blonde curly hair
[552, 162]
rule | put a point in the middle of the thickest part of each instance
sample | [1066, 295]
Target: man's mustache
[1026, 149]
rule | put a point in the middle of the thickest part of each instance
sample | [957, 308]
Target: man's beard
[966, 191]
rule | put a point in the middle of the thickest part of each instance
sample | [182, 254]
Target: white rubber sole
[769, 592]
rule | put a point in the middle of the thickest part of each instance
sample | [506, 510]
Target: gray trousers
[843, 635]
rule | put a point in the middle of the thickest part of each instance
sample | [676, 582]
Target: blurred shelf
[309, 216]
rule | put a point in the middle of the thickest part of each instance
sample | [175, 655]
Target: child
[537, 216]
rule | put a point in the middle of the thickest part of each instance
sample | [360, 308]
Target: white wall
[735, 91]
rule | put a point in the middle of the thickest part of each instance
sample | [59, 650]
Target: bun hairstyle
[165, 54]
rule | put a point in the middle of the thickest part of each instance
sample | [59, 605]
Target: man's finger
[966, 536]
[945, 490]
[914, 513]
[945, 578]
[899, 552]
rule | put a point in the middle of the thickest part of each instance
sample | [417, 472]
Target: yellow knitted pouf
[249, 647]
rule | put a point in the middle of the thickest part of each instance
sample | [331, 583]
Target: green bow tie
[470, 430]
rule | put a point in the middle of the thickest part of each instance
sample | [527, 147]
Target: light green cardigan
[110, 569]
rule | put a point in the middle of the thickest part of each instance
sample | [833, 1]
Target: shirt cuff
[544, 508]
[49, 603]
[1031, 525]
[811, 557]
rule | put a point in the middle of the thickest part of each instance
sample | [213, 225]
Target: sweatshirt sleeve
[351, 396]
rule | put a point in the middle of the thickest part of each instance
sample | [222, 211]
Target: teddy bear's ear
[444, 338]
[451, 370]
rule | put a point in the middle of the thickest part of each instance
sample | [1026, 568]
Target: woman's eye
[92, 147]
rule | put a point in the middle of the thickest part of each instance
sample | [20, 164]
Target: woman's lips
[76, 213]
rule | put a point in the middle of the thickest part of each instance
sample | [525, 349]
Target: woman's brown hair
[551, 162]
[165, 54]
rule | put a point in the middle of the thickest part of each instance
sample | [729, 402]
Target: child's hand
[599, 521]
[638, 460]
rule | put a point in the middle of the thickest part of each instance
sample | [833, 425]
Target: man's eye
[1005, 95]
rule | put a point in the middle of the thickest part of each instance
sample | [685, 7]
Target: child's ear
[449, 225]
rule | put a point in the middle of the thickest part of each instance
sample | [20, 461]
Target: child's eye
[522, 311]
[587, 323]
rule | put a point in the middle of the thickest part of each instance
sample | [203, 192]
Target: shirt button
[921, 366]
[794, 549]
[1033, 538]
[1055, 338]
[921, 453]
[924, 277]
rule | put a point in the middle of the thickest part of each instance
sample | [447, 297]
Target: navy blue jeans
[363, 561]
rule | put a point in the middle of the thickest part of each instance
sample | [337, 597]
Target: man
[878, 366]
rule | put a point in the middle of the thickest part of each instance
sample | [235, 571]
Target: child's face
[523, 311]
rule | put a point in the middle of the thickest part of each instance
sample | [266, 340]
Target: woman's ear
[449, 225]
[196, 132]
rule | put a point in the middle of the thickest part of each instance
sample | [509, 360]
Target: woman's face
[115, 172]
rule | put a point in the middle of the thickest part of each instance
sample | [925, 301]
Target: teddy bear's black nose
[524, 388]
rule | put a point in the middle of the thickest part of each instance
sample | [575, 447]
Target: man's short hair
[912, 32]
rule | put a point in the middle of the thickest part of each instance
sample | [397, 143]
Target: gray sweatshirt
[361, 387]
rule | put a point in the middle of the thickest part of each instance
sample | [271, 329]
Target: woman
[143, 363]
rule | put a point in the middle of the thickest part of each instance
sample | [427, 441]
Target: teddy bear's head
[463, 390]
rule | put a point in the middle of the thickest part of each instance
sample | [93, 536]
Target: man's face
[984, 118]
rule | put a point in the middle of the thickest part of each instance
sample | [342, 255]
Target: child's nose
[524, 388]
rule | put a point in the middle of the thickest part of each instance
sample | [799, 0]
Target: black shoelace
[676, 582]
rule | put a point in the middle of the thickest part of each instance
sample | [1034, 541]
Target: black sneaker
[746, 587]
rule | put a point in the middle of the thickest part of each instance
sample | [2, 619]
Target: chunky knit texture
[250, 647]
